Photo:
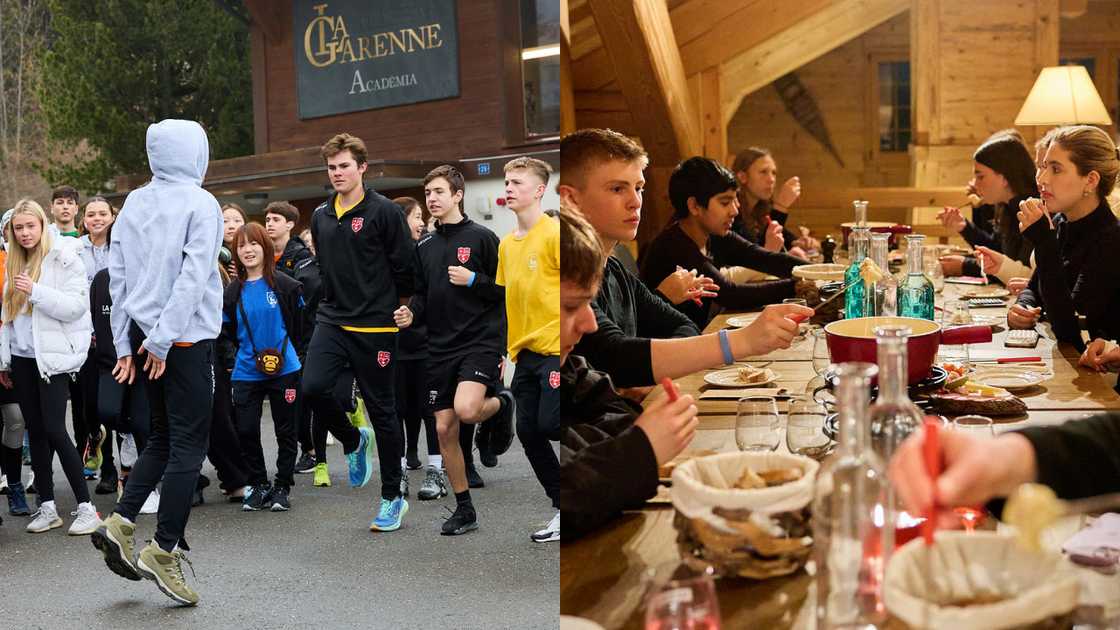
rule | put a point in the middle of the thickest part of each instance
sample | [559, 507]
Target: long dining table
[603, 574]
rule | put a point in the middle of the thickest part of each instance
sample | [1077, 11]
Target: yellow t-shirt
[340, 210]
[529, 269]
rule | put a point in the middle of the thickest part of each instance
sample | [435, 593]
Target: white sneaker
[550, 533]
[3, 482]
[128, 450]
[151, 504]
[87, 522]
[46, 518]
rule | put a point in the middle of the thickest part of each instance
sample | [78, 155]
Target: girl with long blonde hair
[44, 339]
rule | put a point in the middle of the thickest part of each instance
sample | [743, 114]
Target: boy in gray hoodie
[167, 299]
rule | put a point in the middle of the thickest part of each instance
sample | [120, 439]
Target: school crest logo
[383, 358]
[533, 262]
[464, 254]
[554, 379]
[270, 297]
[290, 396]
[356, 224]
[432, 396]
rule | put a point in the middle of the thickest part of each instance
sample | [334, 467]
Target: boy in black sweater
[457, 298]
[609, 448]
[601, 177]
[365, 261]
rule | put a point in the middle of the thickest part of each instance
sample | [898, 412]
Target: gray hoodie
[163, 256]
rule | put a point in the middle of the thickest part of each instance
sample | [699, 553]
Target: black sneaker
[482, 441]
[501, 433]
[412, 462]
[257, 499]
[197, 499]
[474, 480]
[462, 520]
[306, 463]
[107, 485]
[280, 501]
[31, 488]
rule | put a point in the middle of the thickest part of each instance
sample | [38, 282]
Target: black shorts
[445, 374]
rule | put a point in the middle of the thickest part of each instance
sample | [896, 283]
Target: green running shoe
[114, 538]
[166, 570]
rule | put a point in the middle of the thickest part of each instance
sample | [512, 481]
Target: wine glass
[805, 429]
[802, 327]
[679, 599]
[822, 358]
[757, 424]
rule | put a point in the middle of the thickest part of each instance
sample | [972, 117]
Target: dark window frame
[516, 134]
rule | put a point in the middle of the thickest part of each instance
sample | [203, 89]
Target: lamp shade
[1063, 95]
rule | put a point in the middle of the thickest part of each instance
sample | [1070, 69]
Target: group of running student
[186, 317]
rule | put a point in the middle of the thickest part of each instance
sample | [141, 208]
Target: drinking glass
[757, 424]
[805, 429]
[678, 599]
[931, 266]
[979, 426]
[955, 313]
[821, 356]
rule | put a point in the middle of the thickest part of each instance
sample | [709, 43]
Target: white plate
[985, 292]
[1010, 378]
[730, 378]
[742, 321]
[829, 271]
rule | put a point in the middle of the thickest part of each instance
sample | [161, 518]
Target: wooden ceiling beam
[639, 40]
[567, 94]
[823, 31]
[711, 32]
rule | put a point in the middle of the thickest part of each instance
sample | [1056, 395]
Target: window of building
[540, 67]
[894, 105]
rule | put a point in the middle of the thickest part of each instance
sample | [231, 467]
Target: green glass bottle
[915, 292]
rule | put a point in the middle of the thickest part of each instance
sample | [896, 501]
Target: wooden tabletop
[601, 574]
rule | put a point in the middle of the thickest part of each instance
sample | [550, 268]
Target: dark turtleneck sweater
[1076, 273]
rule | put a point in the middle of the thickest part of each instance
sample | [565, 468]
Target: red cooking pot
[854, 340]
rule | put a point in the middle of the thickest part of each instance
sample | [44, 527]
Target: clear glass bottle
[849, 533]
[915, 294]
[893, 418]
[858, 244]
[883, 298]
[859, 206]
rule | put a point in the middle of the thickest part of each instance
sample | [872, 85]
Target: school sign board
[354, 55]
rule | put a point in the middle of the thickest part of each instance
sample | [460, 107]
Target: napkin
[1098, 545]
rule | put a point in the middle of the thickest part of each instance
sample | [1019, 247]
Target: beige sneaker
[166, 570]
[114, 539]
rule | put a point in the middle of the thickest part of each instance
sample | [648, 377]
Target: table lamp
[1063, 95]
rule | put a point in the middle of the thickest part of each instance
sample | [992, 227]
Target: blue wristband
[470, 283]
[725, 346]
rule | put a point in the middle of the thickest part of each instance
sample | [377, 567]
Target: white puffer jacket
[60, 320]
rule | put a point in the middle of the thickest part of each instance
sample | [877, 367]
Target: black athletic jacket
[298, 263]
[606, 462]
[460, 319]
[629, 315]
[365, 261]
[289, 293]
[101, 306]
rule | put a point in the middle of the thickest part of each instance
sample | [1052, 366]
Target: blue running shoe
[361, 459]
[390, 515]
[17, 501]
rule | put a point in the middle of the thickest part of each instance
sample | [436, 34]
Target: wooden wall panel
[470, 125]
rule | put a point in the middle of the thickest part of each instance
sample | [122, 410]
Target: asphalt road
[317, 566]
